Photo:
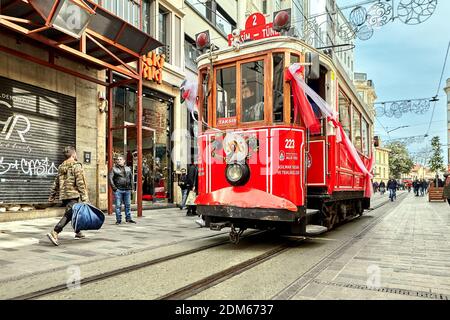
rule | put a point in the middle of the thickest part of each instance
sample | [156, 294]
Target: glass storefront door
[156, 144]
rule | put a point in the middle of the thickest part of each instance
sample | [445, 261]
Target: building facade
[54, 94]
[381, 168]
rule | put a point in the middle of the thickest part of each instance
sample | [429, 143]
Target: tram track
[125, 270]
[214, 279]
[200, 285]
[311, 274]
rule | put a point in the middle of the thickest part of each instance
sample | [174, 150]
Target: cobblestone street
[398, 251]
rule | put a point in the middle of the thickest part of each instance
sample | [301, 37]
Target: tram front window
[226, 94]
[252, 85]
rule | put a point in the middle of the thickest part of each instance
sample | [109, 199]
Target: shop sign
[256, 28]
[152, 67]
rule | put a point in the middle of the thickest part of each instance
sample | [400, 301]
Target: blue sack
[86, 217]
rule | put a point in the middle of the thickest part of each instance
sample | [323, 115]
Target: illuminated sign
[255, 28]
[153, 66]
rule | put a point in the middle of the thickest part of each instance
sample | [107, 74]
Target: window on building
[344, 112]
[224, 21]
[356, 137]
[264, 7]
[164, 31]
[128, 10]
[178, 41]
[226, 93]
[146, 16]
[278, 86]
[215, 14]
[190, 53]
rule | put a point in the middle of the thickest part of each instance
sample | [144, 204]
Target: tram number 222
[289, 144]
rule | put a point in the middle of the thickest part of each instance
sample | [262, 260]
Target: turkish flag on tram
[301, 103]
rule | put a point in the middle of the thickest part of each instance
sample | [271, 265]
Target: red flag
[302, 104]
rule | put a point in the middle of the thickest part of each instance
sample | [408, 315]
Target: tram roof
[286, 42]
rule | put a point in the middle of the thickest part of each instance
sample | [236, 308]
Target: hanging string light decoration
[365, 32]
[358, 16]
[398, 108]
[362, 21]
[408, 140]
[379, 14]
[416, 11]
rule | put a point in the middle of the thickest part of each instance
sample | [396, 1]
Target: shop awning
[79, 28]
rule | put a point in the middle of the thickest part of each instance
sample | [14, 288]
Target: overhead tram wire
[439, 87]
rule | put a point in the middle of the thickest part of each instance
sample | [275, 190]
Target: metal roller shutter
[35, 125]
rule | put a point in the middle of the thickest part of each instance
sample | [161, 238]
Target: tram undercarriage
[328, 212]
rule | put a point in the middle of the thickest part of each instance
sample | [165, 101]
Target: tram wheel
[235, 236]
[330, 215]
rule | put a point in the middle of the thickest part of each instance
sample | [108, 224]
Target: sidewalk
[405, 256]
[25, 249]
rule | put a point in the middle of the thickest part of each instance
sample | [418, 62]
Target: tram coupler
[217, 226]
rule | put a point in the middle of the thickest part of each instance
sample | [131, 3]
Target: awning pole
[139, 140]
[110, 138]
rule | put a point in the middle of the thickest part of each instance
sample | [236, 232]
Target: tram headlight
[237, 174]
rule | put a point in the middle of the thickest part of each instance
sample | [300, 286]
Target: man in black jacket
[191, 184]
[184, 188]
[121, 181]
[392, 187]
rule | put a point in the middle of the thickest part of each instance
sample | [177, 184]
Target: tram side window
[365, 136]
[252, 88]
[294, 59]
[357, 130]
[226, 93]
[278, 86]
[205, 95]
[344, 113]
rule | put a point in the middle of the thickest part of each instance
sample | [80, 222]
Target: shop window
[356, 137]
[124, 106]
[344, 113]
[278, 86]
[252, 90]
[365, 136]
[226, 94]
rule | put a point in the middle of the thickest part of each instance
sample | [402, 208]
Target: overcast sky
[405, 62]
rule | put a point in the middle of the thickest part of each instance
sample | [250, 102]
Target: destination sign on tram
[256, 28]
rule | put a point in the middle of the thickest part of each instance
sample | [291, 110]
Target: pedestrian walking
[392, 187]
[375, 187]
[121, 182]
[192, 185]
[182, 183]
[416, 187]
[421, 185]
[382, 187]
[70, 185]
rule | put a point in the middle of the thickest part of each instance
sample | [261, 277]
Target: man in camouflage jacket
[70, 184]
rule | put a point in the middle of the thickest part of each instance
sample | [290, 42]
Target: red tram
[260, 166]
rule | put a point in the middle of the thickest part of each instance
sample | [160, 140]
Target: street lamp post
[397, 129]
